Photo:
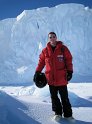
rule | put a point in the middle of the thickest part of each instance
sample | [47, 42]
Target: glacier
[23, 38]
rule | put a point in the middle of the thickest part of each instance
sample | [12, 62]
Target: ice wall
[22, 39]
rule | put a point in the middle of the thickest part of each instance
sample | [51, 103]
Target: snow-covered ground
[30, 105]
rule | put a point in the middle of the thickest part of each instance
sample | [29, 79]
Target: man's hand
[36, 76]
[69, 75]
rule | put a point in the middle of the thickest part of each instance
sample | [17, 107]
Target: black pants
[60, 105]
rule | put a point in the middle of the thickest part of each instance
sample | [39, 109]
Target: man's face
[52, 39]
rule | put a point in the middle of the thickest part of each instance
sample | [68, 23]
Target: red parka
[56, 64]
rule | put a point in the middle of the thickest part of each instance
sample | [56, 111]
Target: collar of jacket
[58, 46]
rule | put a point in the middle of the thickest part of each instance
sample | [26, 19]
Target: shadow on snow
[12, 111]
[77, 101]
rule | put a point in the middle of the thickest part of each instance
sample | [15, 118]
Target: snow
[21, 41]
[28, 104]
[19, 17]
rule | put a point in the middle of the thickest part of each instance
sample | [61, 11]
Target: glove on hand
[69, 75]
[36, 76]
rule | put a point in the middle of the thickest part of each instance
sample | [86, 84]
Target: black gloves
[36, 76]
[69, 75]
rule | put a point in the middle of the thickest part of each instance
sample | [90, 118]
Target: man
[57, 60]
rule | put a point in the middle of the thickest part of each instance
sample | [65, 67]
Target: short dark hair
[52, 33]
